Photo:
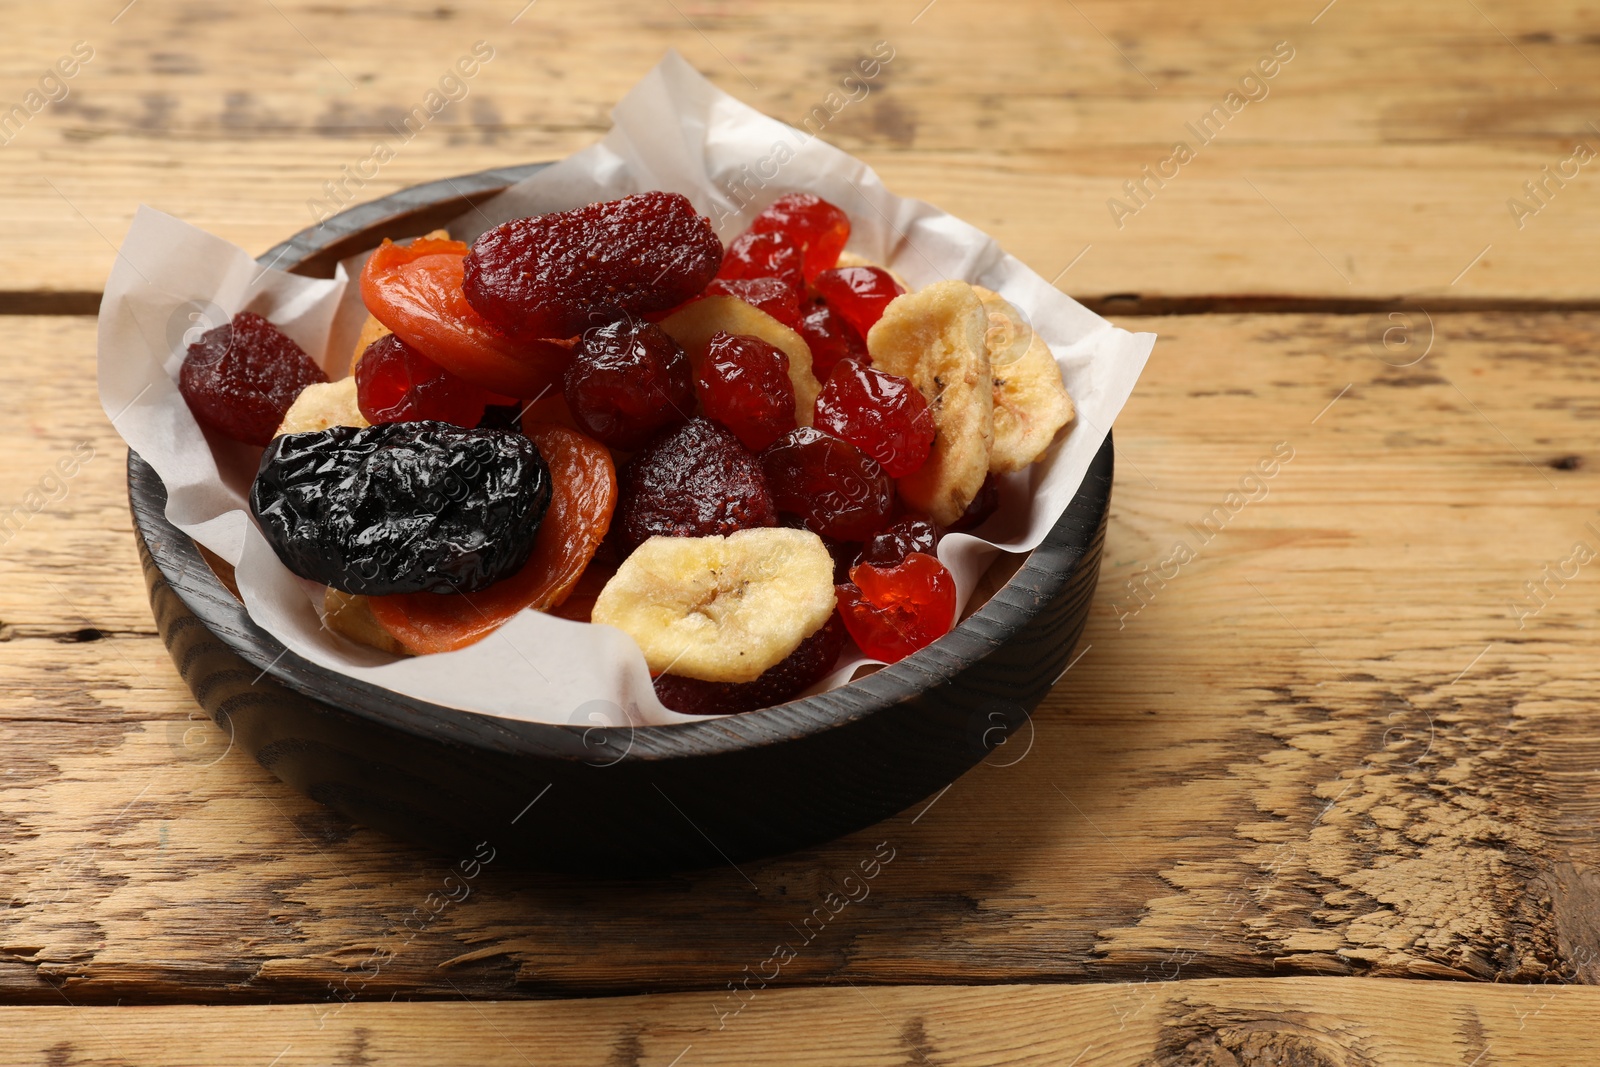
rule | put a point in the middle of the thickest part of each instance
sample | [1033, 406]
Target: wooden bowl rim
[313, 251]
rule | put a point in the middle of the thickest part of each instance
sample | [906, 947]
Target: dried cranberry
[893, 611]
[830, 339]
[693, 481]
[858, 293]
[396, 383]
[803, 668]
[835, 488]
[627, 382]
[555, 275]
[241, 377]
[907, 534]
[809, 223]
[772, 295]
[985, 504]
[744, 383]
[882, 414]
[764, 255]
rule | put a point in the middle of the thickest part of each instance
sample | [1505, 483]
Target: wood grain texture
[1326, 744]
[1308, 1022]
[1379, 163]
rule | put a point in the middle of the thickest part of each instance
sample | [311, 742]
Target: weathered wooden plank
[1319, 1022]
[1378, 160]
[1341, 738]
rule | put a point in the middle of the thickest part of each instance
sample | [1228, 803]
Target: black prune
[402, 507]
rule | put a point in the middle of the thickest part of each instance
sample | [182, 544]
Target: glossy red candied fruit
[832, 486]
[743, 383]
[396, 383]
[772, 295]
[803, 668]
[985, 504]
[810, 223]
[882, 414]
[893, 611]
[830, 339]
[764, 255]
[858, 293]
[693, 481]
[556, 275]
[627, 382]
[241, 377]
[907, 534]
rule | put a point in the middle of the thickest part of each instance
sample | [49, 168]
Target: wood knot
[1224, 1037]
[1567, 463]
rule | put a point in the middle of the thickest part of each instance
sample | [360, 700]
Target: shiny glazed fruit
[415, 290]
[882, 414]
[772, 295]
[396, 383]
[743, 383]
[830, 339]
[908, 534]
[893, 611]
[403, 507]
[832, 486]
[556, 275]
[627, 382]
[858, 293]
[241, 377]
[809, 223]
[803, 668]
[694, 481]
[583, 495]
[764, 255]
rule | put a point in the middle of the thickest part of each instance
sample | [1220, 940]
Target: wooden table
[1345, 742]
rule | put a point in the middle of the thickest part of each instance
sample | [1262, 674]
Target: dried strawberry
[628, 381]
[693, 481]
[858, 293]
[884, 415]
[830, 339]
[396, 383]
[743, 382]
[241, 377]
[809, 223]
[764, 255]
[893, 611]
[836, 489]
[772, 295]
[803, 668]
[555, 275]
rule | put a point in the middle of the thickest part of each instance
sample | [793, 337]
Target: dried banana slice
[322, 405]
[721, 609]
[350, 614]
[935, 337]
[1031, 404]
[693, 326]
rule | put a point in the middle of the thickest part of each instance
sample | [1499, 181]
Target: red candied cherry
[907, 534]
[893, 611]
[744, 383]
[810, 223]
[882, 414]
[628, 381]
[832, 486]
[830, 339]
[985, 504]
[240, 378]
[396, 383]
[772, 295]
[858, 293]
[764, 255]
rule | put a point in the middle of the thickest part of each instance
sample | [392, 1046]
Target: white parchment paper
[673, 131]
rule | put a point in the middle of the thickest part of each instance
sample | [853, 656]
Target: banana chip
[1031, 404]
[322, 405]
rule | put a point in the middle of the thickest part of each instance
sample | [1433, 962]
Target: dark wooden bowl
[612, 799]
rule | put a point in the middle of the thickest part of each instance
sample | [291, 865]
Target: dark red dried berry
[858, 293]
[830, 339]
[803, 668]
[764, 255]
[835, 488]
[810, 223]
[241, 377]
[985, 504]
[744, 383]
[627, 382]
[907, 534]
[396, 383]
[555, 275]
[772, 295]
[882, 414]
[693, 481]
